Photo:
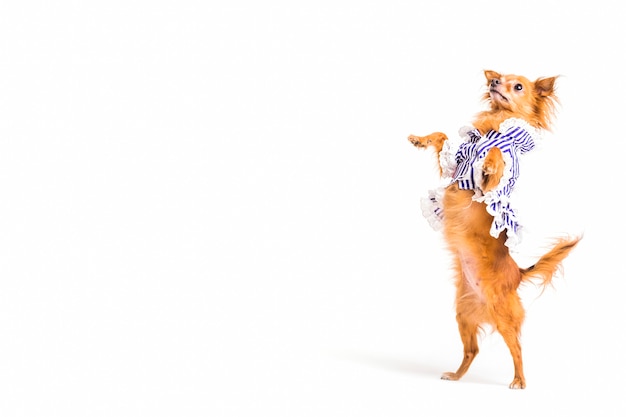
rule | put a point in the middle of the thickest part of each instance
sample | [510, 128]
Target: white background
[211, 208]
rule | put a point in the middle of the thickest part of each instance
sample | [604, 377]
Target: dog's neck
[492, 119]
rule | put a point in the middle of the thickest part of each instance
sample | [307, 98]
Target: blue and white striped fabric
[514, 138]
[514, 142]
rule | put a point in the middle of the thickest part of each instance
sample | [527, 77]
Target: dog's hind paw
[450, 376]
[517, 383]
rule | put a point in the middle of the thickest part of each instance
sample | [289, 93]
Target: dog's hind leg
[509, 318]
[468, 331]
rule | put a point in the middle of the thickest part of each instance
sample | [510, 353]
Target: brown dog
[487, 277]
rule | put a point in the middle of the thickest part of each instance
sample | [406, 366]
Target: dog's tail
[550, 263]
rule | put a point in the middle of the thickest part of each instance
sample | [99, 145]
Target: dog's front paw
[418, 141]
[493, 169]
[434, 140]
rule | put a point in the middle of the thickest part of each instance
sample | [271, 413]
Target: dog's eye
[519, 87]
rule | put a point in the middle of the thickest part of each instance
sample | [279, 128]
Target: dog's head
[514, 94]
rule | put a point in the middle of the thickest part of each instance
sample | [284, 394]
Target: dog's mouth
[493, 92]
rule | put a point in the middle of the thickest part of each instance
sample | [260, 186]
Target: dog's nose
[495, 82]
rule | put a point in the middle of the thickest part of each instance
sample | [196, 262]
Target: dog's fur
[487, 277]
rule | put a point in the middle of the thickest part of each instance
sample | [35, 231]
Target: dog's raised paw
[434, 140]
[419, 141]
[493, 169]
[494, 163]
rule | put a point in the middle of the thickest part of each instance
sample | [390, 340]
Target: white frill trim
[432, 209]
[447, 156]
[515, 122]
[432, 206]
[503, 208]
[503, 213]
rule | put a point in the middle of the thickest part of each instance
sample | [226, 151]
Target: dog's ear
[491, 75]
[545, 86]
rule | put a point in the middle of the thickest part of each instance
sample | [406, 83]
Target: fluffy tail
[550, 263]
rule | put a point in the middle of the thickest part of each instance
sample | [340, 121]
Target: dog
[475, 215]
